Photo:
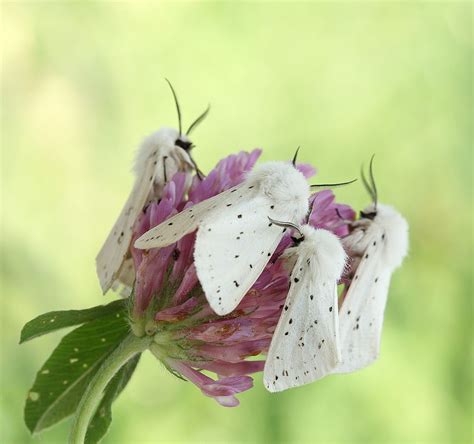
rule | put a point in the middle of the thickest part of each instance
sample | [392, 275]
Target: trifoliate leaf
[103, 417]
[63, 378]
[54, 320]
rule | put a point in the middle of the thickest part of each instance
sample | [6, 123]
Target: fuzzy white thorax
[164, 139]
[325, 246]
[282, 182]
[395, 229]
[157, 160]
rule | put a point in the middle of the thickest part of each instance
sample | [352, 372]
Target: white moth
[159, 157]
[379, 242]
[305, 346]
[235, 239]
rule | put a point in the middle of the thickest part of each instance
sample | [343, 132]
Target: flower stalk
[94, 392]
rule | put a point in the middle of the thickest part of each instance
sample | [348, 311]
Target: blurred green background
[82, 83]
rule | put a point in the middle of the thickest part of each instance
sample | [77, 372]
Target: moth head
[182, 140]
[296, 239]
[368, 213]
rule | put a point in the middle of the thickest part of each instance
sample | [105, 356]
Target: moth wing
[305, 346]
[124, 283]
[234, 246]
[115, 249]
[185, 222]
[362, 311]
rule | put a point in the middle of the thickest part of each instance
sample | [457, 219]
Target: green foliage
[55, 320]
[63, 378]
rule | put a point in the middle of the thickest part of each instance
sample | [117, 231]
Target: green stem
[94, 392]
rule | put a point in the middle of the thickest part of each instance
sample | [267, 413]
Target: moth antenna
[372, 181]
[178, 109]
[332, 185]
[286, 225]
[295, 157]
[310, 212]
[199, 119]
[367, 186]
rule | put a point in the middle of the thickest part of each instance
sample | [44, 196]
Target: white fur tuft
[164, 138]
[327, 248]
[396, 233]
[282, 182]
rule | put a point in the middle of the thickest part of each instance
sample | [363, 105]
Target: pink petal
[179, 312]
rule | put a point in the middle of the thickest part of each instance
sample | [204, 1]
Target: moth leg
[164, 169]
[199, 173]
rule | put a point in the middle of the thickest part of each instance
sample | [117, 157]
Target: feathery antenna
[295, 157]
[372, 180]
[198, 120]
[332, 185]
[178, 109]
[370, 186]
[310, 211]
[286, 225]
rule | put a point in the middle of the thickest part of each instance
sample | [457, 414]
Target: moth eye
[183, 144]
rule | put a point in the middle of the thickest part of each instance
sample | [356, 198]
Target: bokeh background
[82, 83]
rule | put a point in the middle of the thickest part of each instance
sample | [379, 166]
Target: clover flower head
[169, 303]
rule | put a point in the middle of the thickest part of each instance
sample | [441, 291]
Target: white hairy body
[157, 154]
[380, 244]
[235, 239]
[305, 346]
